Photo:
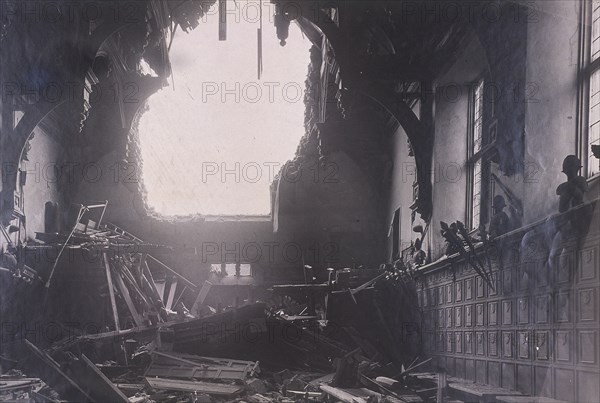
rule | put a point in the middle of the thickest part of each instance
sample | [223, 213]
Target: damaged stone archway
[352, 83]
[19, 140]
[375, 74]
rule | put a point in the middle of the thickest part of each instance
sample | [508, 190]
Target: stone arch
[18, 143]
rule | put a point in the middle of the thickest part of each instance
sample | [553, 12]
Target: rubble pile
[177, 365]
[299, 343]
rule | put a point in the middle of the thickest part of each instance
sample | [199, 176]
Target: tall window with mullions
[474, 156]
[592, 71]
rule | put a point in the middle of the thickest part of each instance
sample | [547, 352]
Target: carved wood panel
[532, 335]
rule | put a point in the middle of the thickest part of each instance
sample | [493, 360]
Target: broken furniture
[193, 386]
[127, 265]
[190, 367]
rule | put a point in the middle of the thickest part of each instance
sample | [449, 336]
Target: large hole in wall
[213, 140]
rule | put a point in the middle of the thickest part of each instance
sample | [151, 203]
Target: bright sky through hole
[213, 143]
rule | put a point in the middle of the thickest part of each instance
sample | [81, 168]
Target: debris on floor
[296, 364]
[312, 342]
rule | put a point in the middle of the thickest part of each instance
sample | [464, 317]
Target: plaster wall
[550, 123]
[44, 168]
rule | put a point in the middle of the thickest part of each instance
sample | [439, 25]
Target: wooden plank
[167, 290]
[17, 378]
[197, 361]
[204, 291]
[365, 380]
[7, 385]
[111, 292]
[527, 399]
[140, 269]
[441, 387]
[433, 377]
[171, 298]
[196, 372]
[368, 283]
[295, 318]
[94, 382]
[137, 318]
[175, 358]
[173, 272]
[413, 367]
[51, 373]
[482, 391]
[150, 282]
[345, 395]
[304, 393]
[194, 386]
[131, 283]
[176, 302]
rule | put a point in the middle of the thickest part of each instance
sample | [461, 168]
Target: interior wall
[495, 51]
[450, 145]
[44, 167]
[334, 215]
[401, 194]
[552, 52]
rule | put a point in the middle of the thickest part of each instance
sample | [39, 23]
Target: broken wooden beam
[173, 272]
[172, 366]
[53, 375]
[348, 395]
[137, 318]
[368, 283]
[94, 382]
[210, 388]
[111, 291]
[15, 385]
[195, 372]
[198, 360]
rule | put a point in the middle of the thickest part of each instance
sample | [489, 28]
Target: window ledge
[236, 218]
[593, 179]
[446, 261]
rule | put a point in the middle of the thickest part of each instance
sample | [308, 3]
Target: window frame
[587, 68]
[475, 156]
[218, 268]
